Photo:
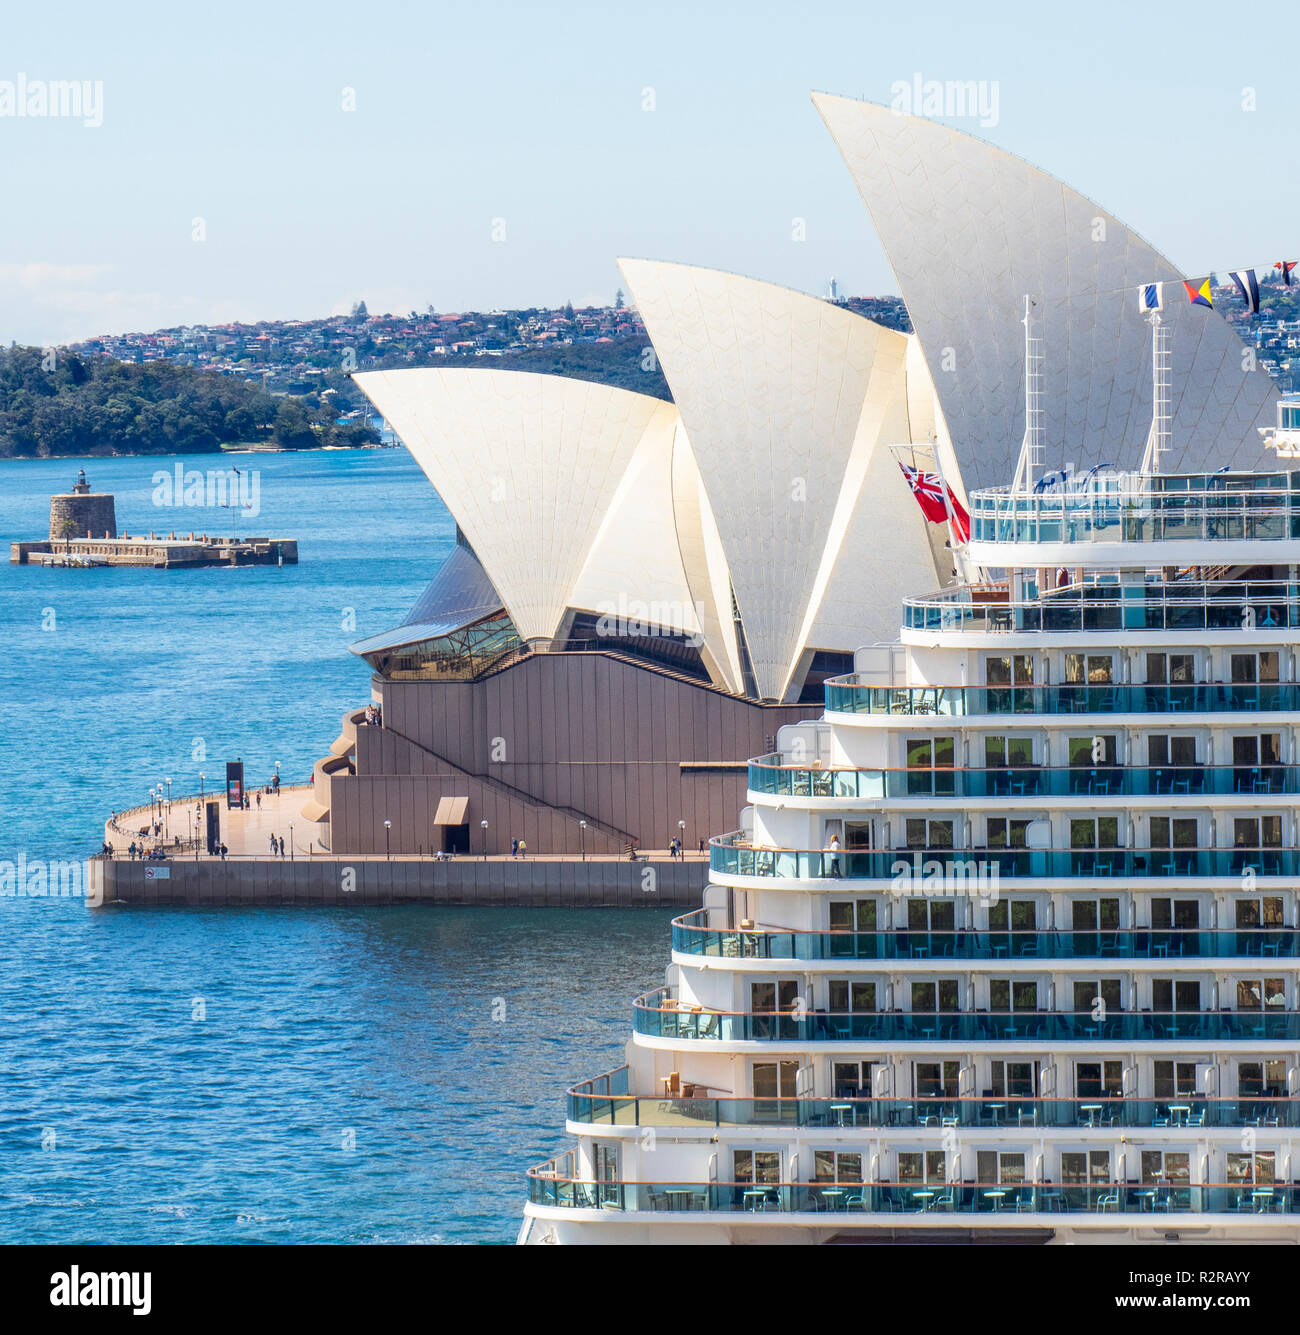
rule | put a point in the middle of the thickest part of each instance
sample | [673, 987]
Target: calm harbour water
[267, 1075]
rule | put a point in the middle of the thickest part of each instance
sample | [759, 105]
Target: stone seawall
[534, 883]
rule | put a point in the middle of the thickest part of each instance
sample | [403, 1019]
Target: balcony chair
[1108, 1203]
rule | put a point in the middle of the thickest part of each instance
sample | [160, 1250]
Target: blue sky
[532, 113]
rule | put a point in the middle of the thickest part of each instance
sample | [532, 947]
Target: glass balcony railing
[768, 774]
[660, 1015]
[1173, 508]
[548, 1188]
[1171, 605]
[692, 936]
[606, 1101]
[979, 870]
[848, 695]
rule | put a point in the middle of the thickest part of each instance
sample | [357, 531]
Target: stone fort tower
[82, 513]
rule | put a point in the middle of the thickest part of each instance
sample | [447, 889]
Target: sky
[284, 160]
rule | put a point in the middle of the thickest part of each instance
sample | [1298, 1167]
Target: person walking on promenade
[224, 851]
[514, 848]
[273, 845]
[523, 848]
[131, 850]
[259, 799]
[282, 845]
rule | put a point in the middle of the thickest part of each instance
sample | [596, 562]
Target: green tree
[292, 428]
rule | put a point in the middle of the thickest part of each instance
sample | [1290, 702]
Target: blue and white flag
[1151, 297]
[1244, 279]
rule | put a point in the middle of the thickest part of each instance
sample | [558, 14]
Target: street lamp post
[681, 839]
[582, 836]
[483, 825]
[168, 817]
[388, 852]
[291, 843]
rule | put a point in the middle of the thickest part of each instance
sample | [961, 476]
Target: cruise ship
[1006, 947]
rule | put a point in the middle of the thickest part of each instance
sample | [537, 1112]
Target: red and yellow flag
[1198, 293]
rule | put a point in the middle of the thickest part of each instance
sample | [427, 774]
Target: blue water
[277, 1075]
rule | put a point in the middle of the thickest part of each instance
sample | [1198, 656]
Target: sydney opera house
[644, 592]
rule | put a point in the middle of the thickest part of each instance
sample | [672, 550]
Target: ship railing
[693, 935]
[661, 1014]
[769, 776]
[592, 1107]
[850, 695]
[847, 1197]
[978, 870]
[1174, 605]
[1138, 510]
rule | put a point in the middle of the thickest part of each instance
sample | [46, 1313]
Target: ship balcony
[606, 1101]
[850, 695]
[553, 1185]
[1133, 510]
[768, 776]
[1171, 605]
[980, 870]
[693, 936]
[660, 1014]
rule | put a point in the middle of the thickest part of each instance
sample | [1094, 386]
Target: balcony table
[834, 1197]
[996, 1198]
[925, 1197]
[1092, 1109]
[754, 1200]
[839, 1109]
[1178, 1113]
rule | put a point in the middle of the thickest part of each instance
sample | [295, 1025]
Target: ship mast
[1031, 447]
[1160, 436]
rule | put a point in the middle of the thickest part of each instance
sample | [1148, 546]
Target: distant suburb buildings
[644, 593]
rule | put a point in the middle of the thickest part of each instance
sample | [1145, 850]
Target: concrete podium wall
[462, 881]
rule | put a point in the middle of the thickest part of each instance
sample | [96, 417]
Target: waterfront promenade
[307, 874]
